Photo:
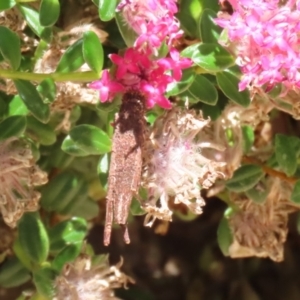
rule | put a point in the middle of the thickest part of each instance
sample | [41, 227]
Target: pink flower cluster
[266, 39]
[139, 68]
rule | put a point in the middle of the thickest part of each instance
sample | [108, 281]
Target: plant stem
[58, 77]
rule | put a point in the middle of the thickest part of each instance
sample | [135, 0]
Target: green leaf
[135, 208]
[228, 83]
[93, 51]
[224, 236]
[49, 12]
[22, 255]
[190, 50]
[85, 208]
[7, 4]
[245, 178]
[42, 133]
[13, 273]
[188, 14]
[4, 108]
[87, 138]
[66, 255]
[72, 59]
[71, 148]
[175, 88]
[31, 16]
[43, 280]
[33, 237]
[286, 153]
[10, 47]
[128, 35]
[63, 191]
[47, 89]
[107, 9]
[204, 90]
[259, 193]
[67, 232]
[209, 30]
[32, 100]
[214, 112]
[248, 137]
[12, 126]
[17, 107]
[295, 197]
[211, 57]
[59, 158]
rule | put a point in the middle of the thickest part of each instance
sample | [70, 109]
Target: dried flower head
[261, 229]
[81, 280]
[176, 163]
[18, 176]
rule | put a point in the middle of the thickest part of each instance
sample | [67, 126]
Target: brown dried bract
[126, 162]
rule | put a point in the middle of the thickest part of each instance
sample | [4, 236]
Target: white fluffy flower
[175, 166]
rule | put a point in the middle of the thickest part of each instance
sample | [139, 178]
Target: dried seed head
[81, 280]
[18, 176]
[175, 164]
[261, 229]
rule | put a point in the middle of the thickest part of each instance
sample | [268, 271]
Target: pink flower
[127, 63]
[175, 63]
[106, 87]
[153, 21]
[138, 68]
[154, 96]
[265, 36]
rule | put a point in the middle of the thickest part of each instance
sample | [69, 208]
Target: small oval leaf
[175, 88]
[107, 9]
[209, 30]
[66, 255]
[17, 107]
[286, 153]
[67, 232]
[204, 90]
[258, 193]
[12, 126]
[88, 139]
[31, 16]
[10, 47]
[245, 178]
[228, 83]
[72, 59]
[44, 281]
[224, 236]
[49, 12]
[92, 51]
[33, 237]
[212, 57]
[63, 192]
[129, 36]
[47, 89]
[7, 4]
[13, 273]
[32, 100]
[42, 133]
